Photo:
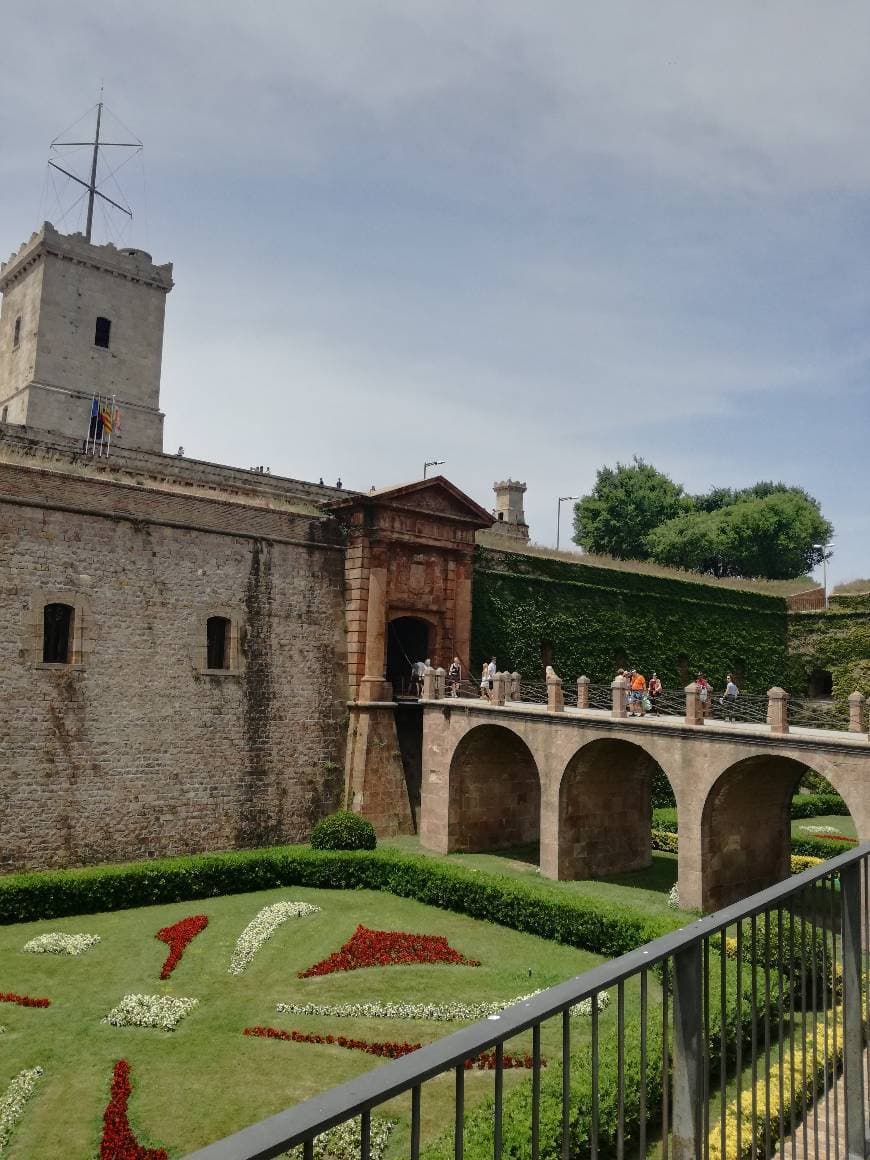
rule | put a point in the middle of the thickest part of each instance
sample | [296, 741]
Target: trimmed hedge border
[604, 929]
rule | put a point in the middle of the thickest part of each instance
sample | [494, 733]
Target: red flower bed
[23, 1000]
[383, 948]
[838, 838]
[118, 1141]
[388, 1050]
[177, 937]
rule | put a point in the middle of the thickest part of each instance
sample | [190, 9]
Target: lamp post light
[562, 499]
[432, 463]
[823, 548]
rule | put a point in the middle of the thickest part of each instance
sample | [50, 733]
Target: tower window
[217, 639]
[101, 333]
[57, 624]
[16, 333]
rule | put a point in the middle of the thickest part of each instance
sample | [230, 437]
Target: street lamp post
[562, 499]
[823, 548]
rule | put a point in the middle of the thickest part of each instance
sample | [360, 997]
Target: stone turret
[510, 519]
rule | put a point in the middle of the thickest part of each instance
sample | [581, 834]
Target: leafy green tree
[773, 536]
[625, 505]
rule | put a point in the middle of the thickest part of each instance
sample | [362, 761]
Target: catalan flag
[106, 418]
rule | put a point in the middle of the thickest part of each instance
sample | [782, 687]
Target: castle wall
[136, 749]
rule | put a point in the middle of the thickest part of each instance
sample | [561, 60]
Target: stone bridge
[578, 780]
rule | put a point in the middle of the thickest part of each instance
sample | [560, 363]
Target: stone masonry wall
[136, 749]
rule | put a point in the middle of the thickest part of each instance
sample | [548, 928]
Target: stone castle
[193, 656]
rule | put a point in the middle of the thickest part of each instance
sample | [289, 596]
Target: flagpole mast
[92, 188]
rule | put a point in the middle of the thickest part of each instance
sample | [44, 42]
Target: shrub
[818, 805]
[815, 783]
[665, 819]
[343, 830]
[665, 840]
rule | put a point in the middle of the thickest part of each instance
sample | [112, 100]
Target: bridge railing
[743, 1032]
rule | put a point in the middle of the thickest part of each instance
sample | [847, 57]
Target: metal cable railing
[812, 714]
[727, 1038]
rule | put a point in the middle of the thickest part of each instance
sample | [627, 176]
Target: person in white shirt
[490, 674]
[729, 698]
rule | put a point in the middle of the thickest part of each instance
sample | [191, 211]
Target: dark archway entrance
[408, 641]
[495, 792]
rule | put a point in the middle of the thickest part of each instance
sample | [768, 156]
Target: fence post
[497, 692]
[688, 1058]
[618, 690]
[777, 710]
[440, 683]
[516, 687]
[853, 1047]
[694, 708]
[582, 692]
[856, 712]
[555, 697]
[430, 685]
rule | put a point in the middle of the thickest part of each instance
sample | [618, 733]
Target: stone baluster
[777, 710]
[555, 696]
[619, 694]
[440, 683]
[516, 687]
[857, 701]
[694, 705]
[582, 692]
[430, 685]
[496, 694]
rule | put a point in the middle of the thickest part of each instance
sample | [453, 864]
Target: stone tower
[79, 319]
[510, 519]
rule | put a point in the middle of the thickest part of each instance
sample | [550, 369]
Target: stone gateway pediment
[437, 495]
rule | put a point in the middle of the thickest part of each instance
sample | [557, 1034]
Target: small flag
[106, 417]
[117, 420]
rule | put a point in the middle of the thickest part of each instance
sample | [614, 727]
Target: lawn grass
[642, 890]
[809, 827]
[205, 1079]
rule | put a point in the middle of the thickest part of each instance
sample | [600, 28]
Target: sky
[526, 239]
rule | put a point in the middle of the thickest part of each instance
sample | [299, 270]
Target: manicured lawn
[812, 827]
[206, 1079]
[645, 890]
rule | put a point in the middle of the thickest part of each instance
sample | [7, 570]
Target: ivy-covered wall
[837, 641]
[593, 620]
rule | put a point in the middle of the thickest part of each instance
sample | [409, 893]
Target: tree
[625, 505]
[774, 536]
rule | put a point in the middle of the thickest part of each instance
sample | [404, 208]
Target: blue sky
[526, 239]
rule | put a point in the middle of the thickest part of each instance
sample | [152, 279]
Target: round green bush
[343, 831]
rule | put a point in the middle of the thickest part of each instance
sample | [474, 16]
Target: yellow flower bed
[752, 1133]
[801, 862]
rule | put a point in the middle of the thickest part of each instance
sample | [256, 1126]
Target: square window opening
[16, 333]
[217, 640]
[57, 626]
[102, 333]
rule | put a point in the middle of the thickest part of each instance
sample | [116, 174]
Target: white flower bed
[56, 943]
[162, 1011]
[818, 829]
[344, 1142]
[12, 1103]
[262, 928]
[432, 1012]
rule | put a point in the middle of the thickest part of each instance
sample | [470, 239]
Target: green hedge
[818, 805]
[604, 929]
[597, 619]
[664, 825]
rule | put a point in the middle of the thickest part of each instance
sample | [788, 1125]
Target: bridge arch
[495, 791]
[746, 825]
[604, 809]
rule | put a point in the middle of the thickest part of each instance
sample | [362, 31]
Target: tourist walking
[484, 681]
[729, 698]
[454, 677]
[654, 691]
[703, 693]
[417, 671]
[490, 677]
[637, 692]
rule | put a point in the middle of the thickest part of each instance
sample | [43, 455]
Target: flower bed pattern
[56, 943]
[23, 1000]
[429, 1012]
[388, 1049]
[12, 1103]
[344, 1142]
[383, 948]
[262, 928]
[177, 937]
[118, 1141]
[162, 1011]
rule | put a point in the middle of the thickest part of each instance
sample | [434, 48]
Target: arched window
[217, 642]
[102, 332]
[57, 630]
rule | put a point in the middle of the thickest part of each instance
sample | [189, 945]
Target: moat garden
[151, 1008]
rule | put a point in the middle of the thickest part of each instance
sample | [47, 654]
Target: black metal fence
[743, 1034]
